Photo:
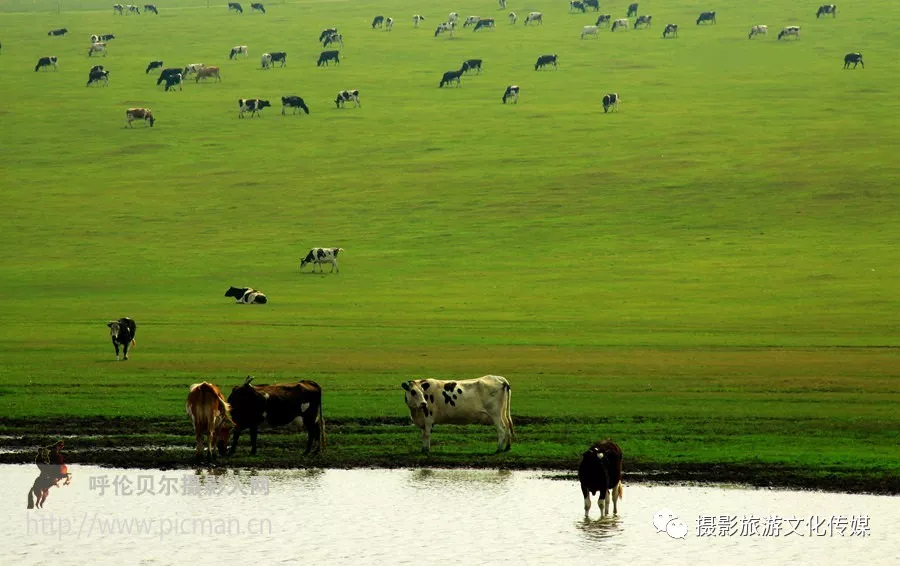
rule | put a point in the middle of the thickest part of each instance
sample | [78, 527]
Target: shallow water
[423, 517]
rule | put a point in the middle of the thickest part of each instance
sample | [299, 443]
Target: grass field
[709, 276]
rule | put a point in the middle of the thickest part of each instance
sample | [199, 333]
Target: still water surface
[424, 517]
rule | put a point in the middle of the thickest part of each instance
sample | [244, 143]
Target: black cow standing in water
[600, 471]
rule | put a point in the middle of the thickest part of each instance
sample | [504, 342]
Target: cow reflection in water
[49, 461]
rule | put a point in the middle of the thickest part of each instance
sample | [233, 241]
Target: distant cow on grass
[646, 21]
[378, 22]
[320, 256]
[122, 333]
[604, 20]
[826, 9]
[132, 9]
[706, 17]
[790, 31]
[416, 19]
[56, 32]
[151, 8]
[144, 114]
[294, 102]
[632, 10]
[99, 47]
[253, 106]
[611, 101]
[758, 30]
[326, 56]
[444, 28]
[487, 23]
[511, 93]
[334, 38]
[343, 97]
[257, 7]
[119, 9]
[279, 57]
[98, 75]
[855, 58]
[106, 37]
[166, 73]
[577, 5]
[533, 17]
[595, 4]
[471, 20]
[207, 72]
[50, 61]
[175, 79]
[236, 7]
[671, 29]
[238, 50]
[621, 23]
[544, 60]
[451, 76]
[211, 417]
[470, 64]
[246, 296]
[600, 471]
[513, 18]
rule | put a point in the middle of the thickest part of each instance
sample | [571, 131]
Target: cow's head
[222, 432]
[149, 117]
[594, 452]
[234, 292]
[114, 327]
[247, 404]
[263, 104]
[415, 395]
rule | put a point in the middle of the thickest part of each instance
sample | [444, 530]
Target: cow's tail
[506, 410]
[620, 489]
[31, 498]
[133, 342]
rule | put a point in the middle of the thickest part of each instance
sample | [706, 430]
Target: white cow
[453, 17]
[98, 47]
[445, 27]
[793, 31]
[265, 61]
[535, 17]
[132, 9]
[471, 20]
[758, 30]
[620, 23]
[416, 19]
[472, 401]
[319, 256]
[513, 18]
[238, 50]
[590, 30]
[192, 68]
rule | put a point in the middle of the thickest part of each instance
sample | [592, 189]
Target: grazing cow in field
[855, 58]
[485, 23]
[595, 4]
[826, 9]
[416, 19]
[278, 56]
[611, 101]
[294, 102]
[46, 62]
[326, 32]
[144, 114]
[706, 17]
[471, 20]
[388, 24]
[484, 400]
[118, 9]
[265, 61]
[502, 4]
[321, 256]
[790, 31]
[326, 56]
[620, 23]
[98, 47]
[211, 415]
[334, 38]
[513, 18]
[646, 21]
[151, 8]
[207, 72]
[277, 405]
[238, 50]
[671, 29]
[577, 5]
[590, 30]
[600, 471]
[444, 27]
[604, 19]
[453, 18]
[511, 93]
[535, 17]
[98, 75]
[343, 97]
[449, 77]
[257, 7]
[236, 7]
[176, 79]
[632, 10]
[546, 60]
[107, 37]
[253, 106]
[60, 31]
[95, 38]
[378, 22]
[246, 295]
[470, 64]
[122, 333]
[758, 30]
[96, 68]
[131, 9]
[166, 73]
[192, 68]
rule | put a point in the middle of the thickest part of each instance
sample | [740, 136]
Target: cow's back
[467, 401]
[287, 401]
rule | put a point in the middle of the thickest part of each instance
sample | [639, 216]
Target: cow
[97, 75]
[646, 21]
[151, 8]
[192, 68]
[277, 405]
[238, 50]
[546, 60]
[47, 62]
[378, 22]
[444, 27]
[471, 20]
[826, 9]
[326, 56]
[144, 114]
[279, 56]
[671, 29]
[600, 471]
[577, 5]
[416, 19]
[257, 7]
[253, 106]
[118, 9]
[320, 256]
[175, 79]
[96, 68]
[471, 401]
[210, 414]
[236, 7]
[341, 98]
[632, 10]
[453, 18]
[502, 4]
[326, 32]
[513, 18]
[107, 37]
[334, 38]
[122, 333]
[595, 4]
[535, 17]
[611, 100]
[758, 30]
[855, 58]
[790, 31]
[246, 296]
[131, 9]
[620, 23]
[59, 31]
[294, 102]
[265, 61]
[706, 17]
[470, 64]
[98, 47]
[388, 24]
[206, 72]
[590, 30]
[451, 76]
[485, 23]
[511, 93]
[166, 73]
[604, 19]
[95, 38]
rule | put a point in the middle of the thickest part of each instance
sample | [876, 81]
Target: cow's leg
[502, 437]
[253, 431]
[125, 349]
[605, 501]
[615, 498]
[234, 442]
[426, 435]
[199, 447]
[587, 501]
[116, 346]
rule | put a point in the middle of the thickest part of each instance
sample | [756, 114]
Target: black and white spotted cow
[175, 79]
[107, 37]
[485, 400]
[278, 56]
[855, 58]
[790, 31]
[321, 256]
[511, 93]
[487, 23]
[98, 47]
[444, 28]
[388, 24]
[236, 7]
[345, 96]
[671, 29]
[326, 32]
[334, 38]
[416, 19]
[758, 30]
[513, 18]
[470, 64]
[132, 9]
[50, 61]
[122, 333]
[166, 73]
[378, 22]
[621, 23]
[453, 18]
[118, 9]
[238, 50]
[632, 10]
[595, 4]
[646, 21]
[56, 32]
[826, 9]
[294, 102]
[97, 75]
[470, 21]
[253, 106]
[151, 8]
[246, 296]
[611, 101]
[326, 56]
[535, 17]
[451, 76]
[706, 17]
[577, 5]
[257, 7]
[604, 20]
[544, 60]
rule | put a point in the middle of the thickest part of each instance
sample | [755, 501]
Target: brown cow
[208, 72]
[601, 470]
[133, 114]
[211, 416]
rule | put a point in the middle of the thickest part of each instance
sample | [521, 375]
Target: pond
[423, 516]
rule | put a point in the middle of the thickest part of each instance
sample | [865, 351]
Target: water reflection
[600, 529]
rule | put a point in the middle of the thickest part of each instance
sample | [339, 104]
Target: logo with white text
[667, 522]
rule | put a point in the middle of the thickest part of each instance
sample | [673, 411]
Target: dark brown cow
[601, 471]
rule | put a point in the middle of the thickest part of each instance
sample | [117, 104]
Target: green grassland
[709, 276]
